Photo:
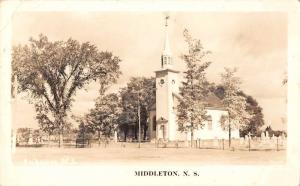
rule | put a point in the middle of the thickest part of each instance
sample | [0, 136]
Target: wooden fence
[248, 144]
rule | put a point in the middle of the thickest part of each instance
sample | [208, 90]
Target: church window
[209, 123]
[162, 81]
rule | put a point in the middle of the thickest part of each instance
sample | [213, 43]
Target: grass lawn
[118, 155]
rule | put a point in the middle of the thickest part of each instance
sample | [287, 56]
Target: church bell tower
[167, 86]
[166, 57]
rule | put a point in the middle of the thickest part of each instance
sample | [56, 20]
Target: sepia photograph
[161, 87]
[162, 93]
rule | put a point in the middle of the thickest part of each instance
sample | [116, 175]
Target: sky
[255, 43]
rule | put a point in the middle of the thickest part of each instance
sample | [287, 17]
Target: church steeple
[167, 85]
[166, 57]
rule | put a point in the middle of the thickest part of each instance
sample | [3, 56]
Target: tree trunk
[48, 140]
[192, 137]
[83, 135]
[125, 133]
[60, 139]
[59, 119]
[229, 137]
[192, 132]
[99, 139]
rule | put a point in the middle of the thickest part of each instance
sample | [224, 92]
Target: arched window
[154, 123]
[209, 123]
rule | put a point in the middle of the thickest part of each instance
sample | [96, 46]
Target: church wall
[216, 131]
[161, 100]
[165, 103]
[174, 88]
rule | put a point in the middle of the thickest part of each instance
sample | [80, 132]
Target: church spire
[166, 58]
[167, 50]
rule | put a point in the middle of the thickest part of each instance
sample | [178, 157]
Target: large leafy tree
[52, 72]
[233, 102]
[85, 130]
[257, 119]
[103, 118]
[195, 87]
[252, 107]
[139, 92]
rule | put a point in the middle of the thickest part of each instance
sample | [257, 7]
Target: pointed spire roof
[167, 49]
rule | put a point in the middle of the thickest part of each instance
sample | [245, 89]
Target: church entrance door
[162, 132]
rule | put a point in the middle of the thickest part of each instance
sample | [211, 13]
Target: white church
[162, 122]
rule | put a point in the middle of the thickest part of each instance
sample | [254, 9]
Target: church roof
[166, 70]
[161, 120]
[167, 48]
[211, 102]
